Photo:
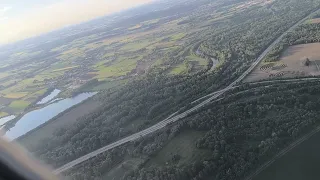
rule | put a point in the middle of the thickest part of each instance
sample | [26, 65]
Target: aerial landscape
[171, 90]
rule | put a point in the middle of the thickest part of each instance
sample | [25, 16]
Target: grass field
[119, 68]
[178, 69]
[201, 61]
[32, 96]
[3, 114]
[300, 163]
[177, 36]
[119, 171]
[19, 105]
[72, 54]
[136, 45]
[183, 145]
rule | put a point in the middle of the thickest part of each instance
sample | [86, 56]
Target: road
[253, 83]
[175, 118]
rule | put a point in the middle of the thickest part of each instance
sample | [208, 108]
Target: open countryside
[292, 63]
[186, 90]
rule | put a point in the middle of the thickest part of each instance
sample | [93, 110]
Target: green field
[300, 163]
[19, 105]
[177, 36]
[134, 46]
[178, 69]
[126, 166]
[26, 82]
[201, 61]
[93, 56]
[119, 68]
[183, 145]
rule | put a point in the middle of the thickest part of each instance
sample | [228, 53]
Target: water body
[54, 100]
[48, 98]
[6, 119]
[37, 117]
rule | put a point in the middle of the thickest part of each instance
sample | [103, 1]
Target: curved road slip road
[175, 118]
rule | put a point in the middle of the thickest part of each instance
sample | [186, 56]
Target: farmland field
[316, 20]
[3, 114]
[64, 69]
[19, 105]
[290, 64]
[15, 95]
[112, 59]
[178, 69]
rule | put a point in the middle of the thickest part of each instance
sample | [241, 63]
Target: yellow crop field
[19, 105]
[3, 114]
[64, 69]
[16, 95]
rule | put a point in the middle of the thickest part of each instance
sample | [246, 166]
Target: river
[37, 117]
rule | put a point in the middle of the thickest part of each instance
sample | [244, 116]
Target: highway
[260, 82]
[174, 118]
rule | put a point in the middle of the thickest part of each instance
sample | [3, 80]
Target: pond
[37, 117]
[48, 98]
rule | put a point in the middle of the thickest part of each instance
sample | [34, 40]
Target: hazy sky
[25, 18]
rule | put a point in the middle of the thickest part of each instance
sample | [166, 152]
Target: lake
[6, 119]
[48, 98]
[37, 117]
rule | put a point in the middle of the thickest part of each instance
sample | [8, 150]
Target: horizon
[19, 22]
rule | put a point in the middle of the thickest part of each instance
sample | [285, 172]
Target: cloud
[5, 9]
[3, 18]
[43, 19]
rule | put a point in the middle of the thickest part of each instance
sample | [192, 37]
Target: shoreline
[12, 123]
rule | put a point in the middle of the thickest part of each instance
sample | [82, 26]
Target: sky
[20, 19]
